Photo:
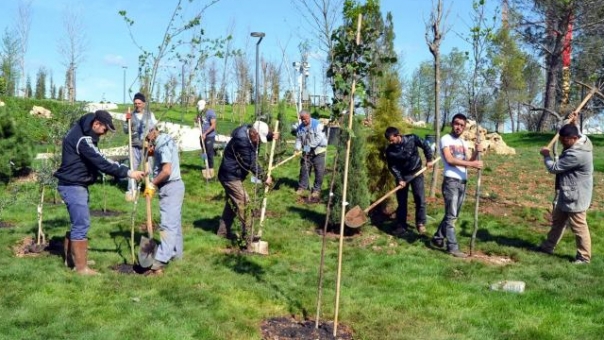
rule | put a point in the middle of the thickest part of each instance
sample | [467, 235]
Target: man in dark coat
[403, 161]
[80, 163]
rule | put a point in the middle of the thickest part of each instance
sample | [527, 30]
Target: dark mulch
[6, 224]
[125, 268]
[283, 328]
[106, 213]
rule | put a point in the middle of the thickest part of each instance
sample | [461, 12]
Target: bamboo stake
[133, 191]
[345, 185]
[477, 194]
[321, 263]
[268, 175]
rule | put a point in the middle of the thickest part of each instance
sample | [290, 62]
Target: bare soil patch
[129, 269]
[28, 247]
[491, 259]
[6, 224]
[283, 328]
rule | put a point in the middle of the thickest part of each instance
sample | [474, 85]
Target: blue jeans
[454, 192]
[76, 200]
[171, 197]
[209, 142]
[417, 187]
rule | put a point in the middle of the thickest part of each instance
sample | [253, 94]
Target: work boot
[224, 231]
[67, 258]
[129, 196]
[211, 173]
[156, 269]
[79, 251]
[315, 197]
[300, 192]
[421, 229]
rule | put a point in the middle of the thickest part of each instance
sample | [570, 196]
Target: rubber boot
[79, 251]
[67, 258]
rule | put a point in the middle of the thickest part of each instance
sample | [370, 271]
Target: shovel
[146, 250]
[356, 217]
[296, 154]
[258, 246]
[206, 173]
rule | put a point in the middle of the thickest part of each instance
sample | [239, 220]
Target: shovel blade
[355, 217]
[146, 252]
[206, 173]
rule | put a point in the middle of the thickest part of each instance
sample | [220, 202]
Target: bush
[16, 146]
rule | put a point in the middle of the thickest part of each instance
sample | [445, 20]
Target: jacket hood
[86, 125]
[583, 144]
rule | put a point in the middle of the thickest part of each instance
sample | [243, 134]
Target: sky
[111, 53]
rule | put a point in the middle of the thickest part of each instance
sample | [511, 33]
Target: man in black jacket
[403, 161]
[240, 158]
[81, 161]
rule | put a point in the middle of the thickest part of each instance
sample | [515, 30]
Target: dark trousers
[417, 187]
[209, 142]
[311, 161]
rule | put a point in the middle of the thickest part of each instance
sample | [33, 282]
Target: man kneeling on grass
[166, 179]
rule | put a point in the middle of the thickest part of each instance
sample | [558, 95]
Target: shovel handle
[573, 115]
[381, 199]
[148, 200]
[285, 160]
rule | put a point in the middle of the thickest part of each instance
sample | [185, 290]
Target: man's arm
[449, 158]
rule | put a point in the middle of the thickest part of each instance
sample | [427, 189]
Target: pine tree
[17, 148]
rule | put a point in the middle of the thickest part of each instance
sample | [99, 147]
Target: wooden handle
[130, 155]
[573, 115]
[268, 175]
[419, 172]
[286, 160]
[148, 200]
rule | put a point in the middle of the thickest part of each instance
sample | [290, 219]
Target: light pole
[302, 68]
[259, 35]
[124, 99]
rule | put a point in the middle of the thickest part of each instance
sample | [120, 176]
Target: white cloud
[112, 59]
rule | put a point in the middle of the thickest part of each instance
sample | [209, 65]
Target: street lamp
[259, 35]
[124, 99]
[302, 68]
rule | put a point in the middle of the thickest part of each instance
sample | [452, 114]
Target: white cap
[262, 129]
[201, 104]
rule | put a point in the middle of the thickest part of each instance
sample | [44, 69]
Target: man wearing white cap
[240, 158]
[207, 120]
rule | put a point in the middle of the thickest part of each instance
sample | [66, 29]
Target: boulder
[491, 142]
[40, 111]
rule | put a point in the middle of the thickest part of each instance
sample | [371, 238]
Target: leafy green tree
[41, 84]
[28, 89]
[16, 146]
[454, 76]
[9, 63]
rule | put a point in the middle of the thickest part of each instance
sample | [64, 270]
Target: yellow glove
[149, 190]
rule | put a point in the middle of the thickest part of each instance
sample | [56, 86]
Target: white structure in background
[92, 107]
[302, 68]
[594, 125]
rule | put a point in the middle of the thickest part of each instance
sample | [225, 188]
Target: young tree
[8, 62]
[435, 32]
[16, 146]
[454, 76]
[72, 47]
[40, 84]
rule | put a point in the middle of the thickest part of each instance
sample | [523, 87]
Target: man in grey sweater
[574, 182]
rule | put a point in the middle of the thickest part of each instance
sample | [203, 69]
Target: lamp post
[124, 99]
[259, 35]
[302, 68]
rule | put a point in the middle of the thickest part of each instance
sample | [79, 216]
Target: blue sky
[100, 75]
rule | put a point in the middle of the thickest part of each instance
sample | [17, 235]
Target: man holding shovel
[574, 182]
[171, 192]
[311, 140]
[404, 161]
[457, 159]
[141, 120]
[80, 162]
[207, 121]
[239, 159]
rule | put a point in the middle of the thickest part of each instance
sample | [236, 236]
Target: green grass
[392, 288]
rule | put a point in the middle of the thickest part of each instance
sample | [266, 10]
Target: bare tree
[22, 27]
[72, 47]
[435, 31]
[322, 16]
[212, 83]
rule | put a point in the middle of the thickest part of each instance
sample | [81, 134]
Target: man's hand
[150, 190]
[544, 151]
[430, 164]
[402, 184]
[268, 181]
[136, 175]
[276, 135]
[477, 164]
[128, 116]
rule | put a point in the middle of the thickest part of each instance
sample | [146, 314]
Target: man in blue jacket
[80, 163]
[574, 182]
[240, 158]
[403, 161]
[311, 140]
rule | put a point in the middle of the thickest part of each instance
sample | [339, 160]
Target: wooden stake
[345, 185]
[477, 194]
[268, 175]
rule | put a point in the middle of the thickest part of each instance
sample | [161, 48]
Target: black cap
[105, 118]
[140, 97]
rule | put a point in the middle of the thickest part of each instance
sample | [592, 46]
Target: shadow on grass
[208, 224]
[121, 240]
[50, 224]
[317, 218]
[187, 167]
[285, 182]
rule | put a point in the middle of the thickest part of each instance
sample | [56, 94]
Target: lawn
[392, 288]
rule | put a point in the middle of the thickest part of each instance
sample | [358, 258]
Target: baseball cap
[262, 129]
[201, 104]
[105, 118]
